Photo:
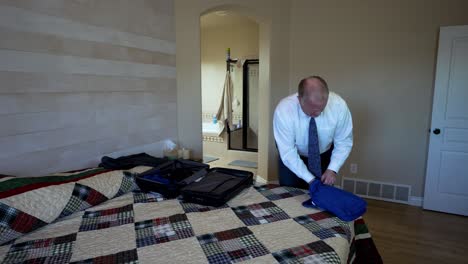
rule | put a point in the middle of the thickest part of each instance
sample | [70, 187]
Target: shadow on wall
[362, 116]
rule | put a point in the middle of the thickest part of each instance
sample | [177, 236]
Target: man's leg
[288, 178]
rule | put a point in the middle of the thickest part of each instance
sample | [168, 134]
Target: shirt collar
[304, 115]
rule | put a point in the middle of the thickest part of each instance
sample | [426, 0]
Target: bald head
[316, 81]
[313, 95]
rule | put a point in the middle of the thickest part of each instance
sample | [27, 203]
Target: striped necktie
[314, 152]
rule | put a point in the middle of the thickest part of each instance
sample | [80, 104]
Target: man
[313, 130]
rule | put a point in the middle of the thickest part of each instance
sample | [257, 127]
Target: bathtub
[210, 129]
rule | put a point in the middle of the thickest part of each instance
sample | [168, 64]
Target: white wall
[380, 56]
[83, 79]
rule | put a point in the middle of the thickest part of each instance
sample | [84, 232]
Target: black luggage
[131, 161]
[217, 186]
[169, 177]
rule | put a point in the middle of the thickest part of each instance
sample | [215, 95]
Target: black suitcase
[176, 172]
[217, 186]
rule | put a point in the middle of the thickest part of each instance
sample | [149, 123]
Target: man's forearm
[338, 158]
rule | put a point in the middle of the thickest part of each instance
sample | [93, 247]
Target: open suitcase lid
[217, 186]
[174, 173]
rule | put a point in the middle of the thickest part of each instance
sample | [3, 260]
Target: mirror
[244, 136]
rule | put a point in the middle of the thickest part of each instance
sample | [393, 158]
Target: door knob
[436, 131]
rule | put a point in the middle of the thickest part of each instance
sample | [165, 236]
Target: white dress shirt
[291, 130]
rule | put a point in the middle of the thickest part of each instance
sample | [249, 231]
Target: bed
[100, 216]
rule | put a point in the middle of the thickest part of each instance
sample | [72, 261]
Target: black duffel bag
[130, 161]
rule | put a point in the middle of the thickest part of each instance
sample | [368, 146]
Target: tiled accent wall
[213, 139]
[208, 117]
[83, 79]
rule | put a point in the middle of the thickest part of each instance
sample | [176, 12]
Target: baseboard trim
[277, 182]
[416, 201]
[413, 200]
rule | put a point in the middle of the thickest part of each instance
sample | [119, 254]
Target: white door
[447, 165]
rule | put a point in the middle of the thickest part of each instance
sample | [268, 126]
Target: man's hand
[329, 177]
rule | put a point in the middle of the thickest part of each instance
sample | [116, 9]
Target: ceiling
[223, 18]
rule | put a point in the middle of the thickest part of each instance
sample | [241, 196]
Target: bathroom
[230, 42]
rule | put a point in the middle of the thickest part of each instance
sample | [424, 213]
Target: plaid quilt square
[231, 246]
[83, 197]
[316, 252]
[261, 213]
[320, 216]
[275, 192]
[14, 223]
[124, 257]
[142, 197]
[50, 250]
[162, 230]
[95, 220]
[324, 225]
[128, 184]
[192, 207]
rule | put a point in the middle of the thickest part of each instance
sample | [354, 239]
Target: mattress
[263, 224]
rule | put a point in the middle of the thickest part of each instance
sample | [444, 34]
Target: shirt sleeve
[285, 141]
[343, 140]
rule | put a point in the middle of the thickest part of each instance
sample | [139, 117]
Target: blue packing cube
[156, 177]
[343, 204]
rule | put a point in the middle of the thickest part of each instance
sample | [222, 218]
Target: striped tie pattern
[314, 163]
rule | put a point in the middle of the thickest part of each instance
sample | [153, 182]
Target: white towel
[224, 114]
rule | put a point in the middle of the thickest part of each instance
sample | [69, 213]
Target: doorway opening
[230, 89]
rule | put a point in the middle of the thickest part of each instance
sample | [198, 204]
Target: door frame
[246, 102]
[245, 108]
[442, 75]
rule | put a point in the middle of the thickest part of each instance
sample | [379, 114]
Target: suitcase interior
[175, 171]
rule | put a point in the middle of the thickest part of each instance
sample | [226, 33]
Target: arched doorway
[274, 71]
[230, 49]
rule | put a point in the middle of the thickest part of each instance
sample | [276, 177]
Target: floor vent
[391, 192]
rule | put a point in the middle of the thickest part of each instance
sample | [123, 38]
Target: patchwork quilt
[99, 216]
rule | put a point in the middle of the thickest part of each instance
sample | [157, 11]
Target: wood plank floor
[408, 234]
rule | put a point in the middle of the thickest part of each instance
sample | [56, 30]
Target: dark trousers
[288, 178]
